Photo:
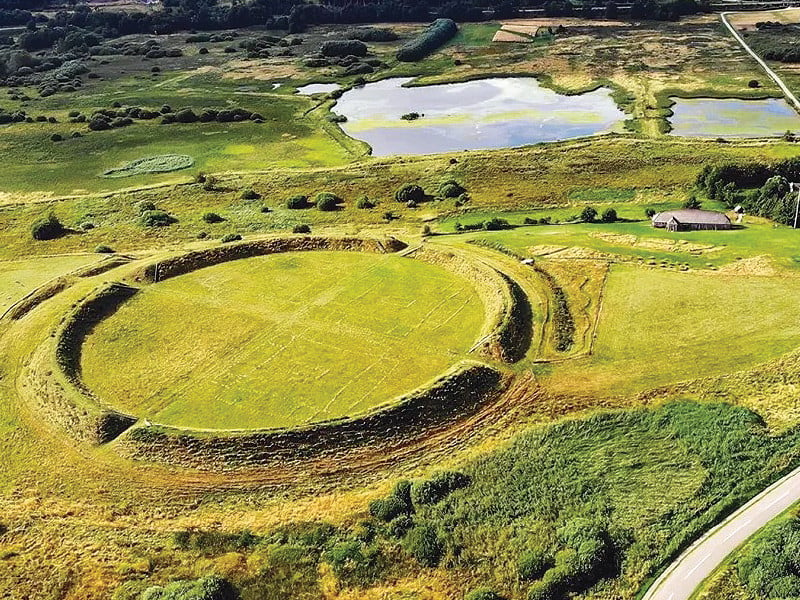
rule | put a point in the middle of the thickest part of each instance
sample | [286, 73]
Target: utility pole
[792, 187]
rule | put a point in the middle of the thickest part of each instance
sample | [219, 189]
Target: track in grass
[282, 340]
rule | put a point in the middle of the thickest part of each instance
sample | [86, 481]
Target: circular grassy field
[281, 340]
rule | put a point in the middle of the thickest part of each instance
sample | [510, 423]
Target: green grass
[659, 327]
[474, 34]
[165, 163]
[19, 277]
[638, 240]
[282, 340]
[287, 138]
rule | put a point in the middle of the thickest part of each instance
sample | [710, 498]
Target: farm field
[283, 340]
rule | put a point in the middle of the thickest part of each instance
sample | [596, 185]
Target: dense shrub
[212, 217]
[326, 201]
[298, 201]
[451, 189]
[532, 565]
[423, 543]
[483, 593]
[770, 566]
[207, 588]
[496, 224]
[231, 237]
[588, 215]
[156, 218]
[103, 249]
[609, 216]
[144, 206]
[47, 228]
[438, 487]
[301, 229]
[250, 194]
[354, 562]
[364, 203]
[371, 34]
[439, 32]
[410, 192]
[343, 48]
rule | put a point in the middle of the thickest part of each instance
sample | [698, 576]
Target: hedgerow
[439, 32]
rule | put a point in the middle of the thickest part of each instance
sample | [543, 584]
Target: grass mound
[163, 163]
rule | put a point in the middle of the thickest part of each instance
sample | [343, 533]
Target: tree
[588, 215]
[692, 202]
[609, 216]
[611, 9]
[650, 212]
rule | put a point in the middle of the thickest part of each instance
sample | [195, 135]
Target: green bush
[156, 218]
[532, 565]
[250, 194]
[410, 192]
[588, 215]
[354, 563]
[438, 487]
[301, 229]
[207, 588]
[103, 249]
[231, 237]
[483, 593]
[423, 543]
[47, 228]
[451, 189]
[343, 48]
[399, 526]
[297, 201]
[145, 206]
[386, 509]
[364, 203]
[326, 201]
[609, 216]
[770, 565]
[212, 217]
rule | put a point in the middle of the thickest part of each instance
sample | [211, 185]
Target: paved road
[772, 74]
[684, 576]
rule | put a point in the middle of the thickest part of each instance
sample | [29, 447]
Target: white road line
[694, 568]
[737, 530]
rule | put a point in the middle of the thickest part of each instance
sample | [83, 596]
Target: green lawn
[287, 138]
[659, 327]
[282, 340]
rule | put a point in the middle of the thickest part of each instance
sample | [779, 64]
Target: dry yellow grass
[507, 36]
[748, 20]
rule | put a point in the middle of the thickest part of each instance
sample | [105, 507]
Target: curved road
[685, 575]
[772, 74]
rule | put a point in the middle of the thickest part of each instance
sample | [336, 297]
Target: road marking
[737, 530]
[776, 500]
[700, 562]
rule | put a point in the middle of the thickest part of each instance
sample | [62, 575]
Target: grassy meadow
[20, 277]
[282, 340]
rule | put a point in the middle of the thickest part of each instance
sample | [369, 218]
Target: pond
[713, 117]
[317, 88]
[488, 113]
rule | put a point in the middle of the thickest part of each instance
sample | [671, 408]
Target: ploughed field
[282, 340]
